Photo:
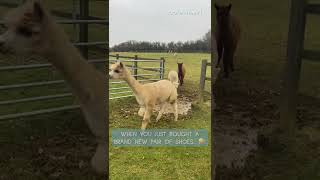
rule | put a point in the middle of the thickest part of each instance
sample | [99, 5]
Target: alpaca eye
[24, 31]
[116, 71]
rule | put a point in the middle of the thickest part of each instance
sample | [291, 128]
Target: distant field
[164, 163]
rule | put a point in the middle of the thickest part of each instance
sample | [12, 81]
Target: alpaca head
[118, 71]
[23, 31]
[223, 13]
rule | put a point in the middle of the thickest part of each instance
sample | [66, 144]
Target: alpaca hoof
[144, 125]
[99, 160]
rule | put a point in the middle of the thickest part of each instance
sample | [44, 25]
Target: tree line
[201, 45]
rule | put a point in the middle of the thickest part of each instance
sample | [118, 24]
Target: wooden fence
[295, 54]
[204, 78]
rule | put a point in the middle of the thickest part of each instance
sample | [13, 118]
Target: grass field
[164, 162]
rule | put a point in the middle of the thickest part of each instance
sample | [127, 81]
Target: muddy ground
[242, 111]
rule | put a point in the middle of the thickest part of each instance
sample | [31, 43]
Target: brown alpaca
[227, 37]
[181, 72]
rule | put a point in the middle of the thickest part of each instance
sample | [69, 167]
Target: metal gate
[13, 75]
[142, 69]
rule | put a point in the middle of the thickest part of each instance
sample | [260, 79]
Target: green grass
[164, 162]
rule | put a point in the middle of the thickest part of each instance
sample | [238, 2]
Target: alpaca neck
[224, 30]
[63, 55]
[133, 83]
[180, 69]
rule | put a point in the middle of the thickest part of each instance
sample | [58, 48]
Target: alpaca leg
[231, 60]
[182, 79]
[97, 124]
[175, 106]
[160, 112]
[220, 50]
[226, 66]
[231, 65]
[141, 111]
[99, 160]
[146, 118]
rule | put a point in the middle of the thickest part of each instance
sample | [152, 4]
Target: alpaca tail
[173, 77]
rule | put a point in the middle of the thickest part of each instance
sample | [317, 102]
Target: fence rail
[313, 9]
[135, 67]
[38, 112]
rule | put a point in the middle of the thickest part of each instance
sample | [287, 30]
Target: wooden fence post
[203, 78]
[135, 67]
[292, 71]
[162, 67]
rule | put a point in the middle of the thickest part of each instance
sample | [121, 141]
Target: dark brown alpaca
[181, 72]
[227, 37]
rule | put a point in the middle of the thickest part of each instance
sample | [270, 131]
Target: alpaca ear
[38, 11]
[121, 65]
[216, 6]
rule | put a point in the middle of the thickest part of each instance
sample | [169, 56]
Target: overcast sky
[158, 20]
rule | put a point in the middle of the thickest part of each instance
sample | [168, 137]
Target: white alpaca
[31, 30]
[149, 94]
[174, 78]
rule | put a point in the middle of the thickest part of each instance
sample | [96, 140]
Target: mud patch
[184, 106]
[233, 145]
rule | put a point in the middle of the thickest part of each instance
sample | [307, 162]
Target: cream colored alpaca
[173, 77]
[148, 95]
[31, 30]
